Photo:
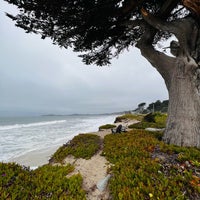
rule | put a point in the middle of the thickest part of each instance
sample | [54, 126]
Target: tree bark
[182, 77]
[183, 123]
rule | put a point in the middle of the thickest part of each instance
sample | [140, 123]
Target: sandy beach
[41, 157]
[35, 158]
[93, 171]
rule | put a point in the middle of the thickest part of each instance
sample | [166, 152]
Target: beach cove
[92, 170]
[135, 164]
[31, 141]
[95, 170]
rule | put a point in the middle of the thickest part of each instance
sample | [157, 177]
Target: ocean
[21, 135]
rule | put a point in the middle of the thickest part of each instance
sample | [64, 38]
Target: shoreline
[37, 158]
[94, 171]
[106, 174]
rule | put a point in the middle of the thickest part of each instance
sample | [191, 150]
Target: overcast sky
[38, 77]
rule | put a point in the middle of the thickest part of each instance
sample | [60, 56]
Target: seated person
[119, 129]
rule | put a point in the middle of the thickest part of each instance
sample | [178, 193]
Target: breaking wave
[17, 126]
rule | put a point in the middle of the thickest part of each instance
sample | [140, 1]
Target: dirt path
[94, 169]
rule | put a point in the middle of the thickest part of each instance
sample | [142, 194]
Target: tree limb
[130, 5]
[134, 23]
[181, 28]
[167, 7]
[193, 6]
[160, 61]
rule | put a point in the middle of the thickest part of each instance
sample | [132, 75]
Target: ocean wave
[17, 126]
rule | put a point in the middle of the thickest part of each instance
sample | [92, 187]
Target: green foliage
[81, 146]
[107, 126]
[151, 120]
[136, 175]
[138, 117]
[46, 182]
[159, 106]
[156, 117]
[143, 125]
[93, 27]
[157, 134]
[141, 104]
[184, 153]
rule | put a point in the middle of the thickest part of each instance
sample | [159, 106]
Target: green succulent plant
[136, 175]
[46, 182]
[81, 146]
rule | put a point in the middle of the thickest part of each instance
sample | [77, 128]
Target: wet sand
[36, 158]
[40, 157]
[93, 171]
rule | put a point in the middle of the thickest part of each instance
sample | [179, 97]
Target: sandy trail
[94, 169]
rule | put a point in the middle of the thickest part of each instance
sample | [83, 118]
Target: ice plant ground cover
[142, 167]
[81, 146]
[107, 126]
[152, 120]
[146, 168]
[46, 182]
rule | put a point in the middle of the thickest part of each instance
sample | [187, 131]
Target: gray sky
[38, 77]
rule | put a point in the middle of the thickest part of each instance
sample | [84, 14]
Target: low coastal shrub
[151, 120]
[184, 153]
[142, 167]
[156, 117]
[107, 126]
[81, 146]
[121, 118]
[145, 168]
[143, 125]
[149, 117]
[46, 182]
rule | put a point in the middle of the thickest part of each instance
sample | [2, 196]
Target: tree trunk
[183, 123]
[181, 74]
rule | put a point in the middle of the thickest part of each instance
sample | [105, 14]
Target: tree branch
[134, 23]
[160, 61]
[181, 28]
[167, 7]
[130, 5]
[193, 6]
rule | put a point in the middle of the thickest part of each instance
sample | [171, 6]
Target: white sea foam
[17, 126]
[33, 167]
[27, 136]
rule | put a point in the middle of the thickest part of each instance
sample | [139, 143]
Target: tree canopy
[99, 29]
[102, 29]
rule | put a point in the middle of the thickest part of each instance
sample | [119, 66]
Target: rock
[118, 119]
[101, 185]
[154, 129]
[187, 164]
